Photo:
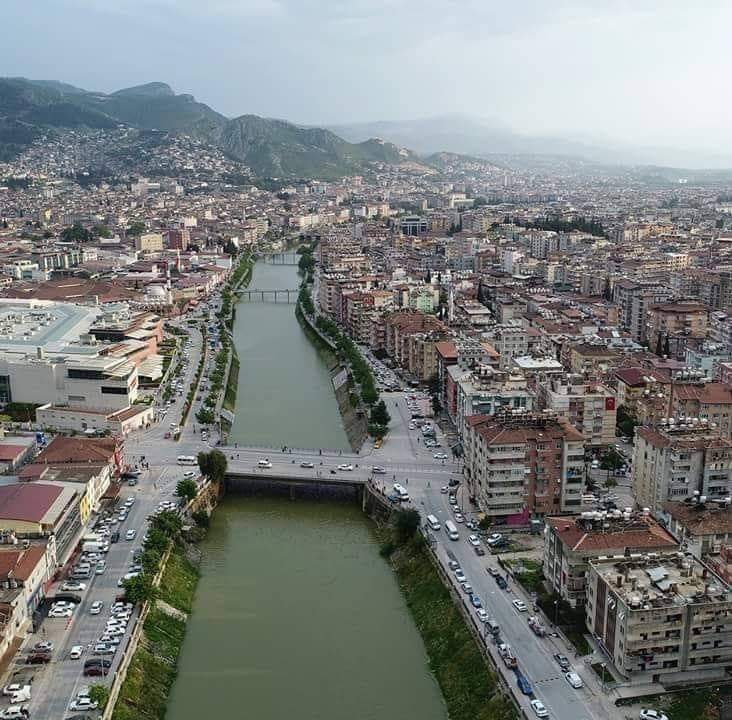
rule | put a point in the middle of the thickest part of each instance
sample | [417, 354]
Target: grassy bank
[469, 686]
[150, 676]
[232, 383]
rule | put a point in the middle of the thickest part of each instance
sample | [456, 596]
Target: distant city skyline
[646, 72]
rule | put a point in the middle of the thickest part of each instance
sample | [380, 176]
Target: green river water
[296, 615]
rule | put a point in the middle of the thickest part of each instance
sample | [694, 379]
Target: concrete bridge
[283, 295]
[282, 259]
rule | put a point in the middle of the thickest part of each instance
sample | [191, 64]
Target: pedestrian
[406, 481]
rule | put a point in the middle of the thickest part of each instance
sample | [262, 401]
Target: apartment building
[410, 340]
[484, 390]
[634, 299]
[510, 340]
[660, 617]
[704, 528]
[675, 460]
[589, 406]
[707, 401]
[521, 466]
[571, 542]
[677, 325]
[149, 242]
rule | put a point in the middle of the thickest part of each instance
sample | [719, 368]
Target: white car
[130, 534]
[539, 709]
[494, 538]
[189, 474]
[73, 586]
[96, 607]
[474, 540]
[307, 464]
[60, 613]
[14, 712]
[345, 466]
[76, 652]
[444, 490]
[460, 576]
[652, 715]
[12, 689]
[264, 464]
[440, 456]
[575, 680]
[467, 588]
[83, 703]
[482, 614]
[520, 605]
[459, 518]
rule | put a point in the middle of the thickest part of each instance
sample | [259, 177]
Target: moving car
[493, 572]
[440, 456]
[38, 658]
[264, 464]
[520, 605]
[443, 489]
[76, 652]
[378, 470]
[306, 464]
[576, 682]
[96, 607]
[130, 534]
[83, 703]
[474, 540]
[539, 709]
[345, 466]
[501, 582]
[562, 661]
[479, 550]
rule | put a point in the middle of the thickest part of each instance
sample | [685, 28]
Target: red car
[38, 658]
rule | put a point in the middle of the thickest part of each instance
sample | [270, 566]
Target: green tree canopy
[186, 489]
[406, 523]
[139, 589]
[213, 465]
[76, 233]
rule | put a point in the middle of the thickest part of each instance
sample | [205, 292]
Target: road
[56, 685]
[535, 655]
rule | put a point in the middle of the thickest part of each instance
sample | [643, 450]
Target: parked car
[475, 601]
[474, 540]
[460, 576]
[501, 582]
[523, 684]
[539, 710]
[479, 550]
[576, 682]
[562, 661]
[652, 715]
[72, 585]
[520, 605]
[17, 711]
[38, 658]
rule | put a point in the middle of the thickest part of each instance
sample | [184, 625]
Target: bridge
[283, 295]
[282, 259]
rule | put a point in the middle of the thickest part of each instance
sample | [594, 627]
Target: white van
[451, 530]
[433, 522]
[401, 492]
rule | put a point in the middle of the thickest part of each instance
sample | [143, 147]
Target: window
[114, 390]
[80, 374]
[6, 396]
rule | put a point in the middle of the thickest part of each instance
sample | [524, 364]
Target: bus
[187, 460]
[452, 532]
[433, 522]
[401, 492]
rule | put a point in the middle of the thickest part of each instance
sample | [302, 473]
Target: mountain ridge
[28, 108]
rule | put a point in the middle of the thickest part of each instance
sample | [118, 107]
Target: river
[296, 615]
[285, 395]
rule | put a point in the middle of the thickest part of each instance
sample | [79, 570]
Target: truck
[536, 626]
[92, 537]
[509, 659]
[94, 547]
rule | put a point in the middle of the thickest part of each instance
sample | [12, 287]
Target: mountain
[30, 108]
[485, 137]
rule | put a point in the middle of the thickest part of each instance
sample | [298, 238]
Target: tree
[186, 489]
[101, 231]
[379, 414]
[139, 589]
[136, 228]
[434, 384]
[406, 523]
[666, 347]
[213, 465]
[75, 233]
[659, 346]
[99, 694]
[168, 522]
[376, 430]
[436, 405]
[205, 416]
[607, 293]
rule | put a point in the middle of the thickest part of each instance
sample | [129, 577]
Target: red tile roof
[76, 450]
[643, 533]
[28, 502]
[11, 452]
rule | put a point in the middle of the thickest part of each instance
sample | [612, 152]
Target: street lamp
[556, 611]
[603, 666]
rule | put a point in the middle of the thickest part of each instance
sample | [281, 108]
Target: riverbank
[468, 684]
[150, 675]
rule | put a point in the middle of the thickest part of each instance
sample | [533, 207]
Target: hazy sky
[642, 71]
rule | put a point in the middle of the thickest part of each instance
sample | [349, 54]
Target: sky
[646, 71]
